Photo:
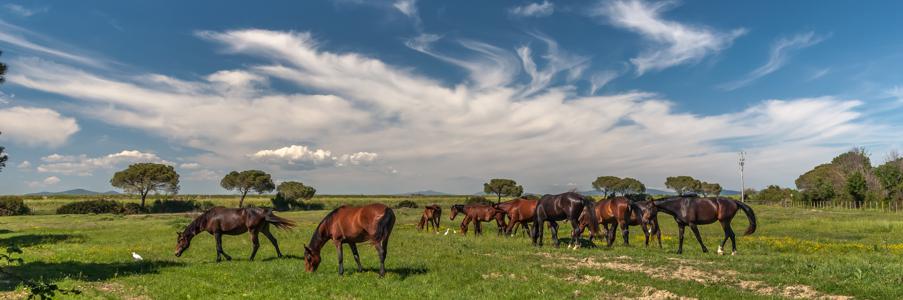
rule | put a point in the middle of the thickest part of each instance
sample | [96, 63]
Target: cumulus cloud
[33, 126]
[543, 9]
[671, 43]
[52, 180]
[303, 158]
[24, 165]
[485, 126]
[778, 57]
[190, 166]
[84, 165]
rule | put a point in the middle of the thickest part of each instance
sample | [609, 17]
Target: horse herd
[373, 223]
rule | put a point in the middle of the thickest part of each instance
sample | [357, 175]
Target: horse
[520, 212]
[477, 213]
[351, 225]
[620, 211]
[688, 211]
[233, 221]
[567, 206]
[431, 216]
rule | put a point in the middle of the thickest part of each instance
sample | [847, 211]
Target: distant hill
[79, 192]
[425, 193]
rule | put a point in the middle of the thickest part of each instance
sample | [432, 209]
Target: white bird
[446, 231]
[136, 257]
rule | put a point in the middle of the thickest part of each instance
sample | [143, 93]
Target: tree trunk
[143, 196]
[500, 198]
[241, 202]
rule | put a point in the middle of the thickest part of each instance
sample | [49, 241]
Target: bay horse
[431, 216]
[520, 212]
[689, 211]
[351, 225]
[620, 211]
[233, 221]
[477, 213]
[567, 206]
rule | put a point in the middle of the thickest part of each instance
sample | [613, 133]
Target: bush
[133, 209]
[99, 206]
[13, 206]
[530, 197]
[173, 206]
[313, 206]
[280, 203]
[205, 205]
[478, 200]
[406, 203]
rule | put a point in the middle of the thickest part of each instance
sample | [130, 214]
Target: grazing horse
[619, 211]
[431, 216]
[233, 221]
[476, 213]
[351, 225]
[520, 212]
[567, 206]
[688, 211]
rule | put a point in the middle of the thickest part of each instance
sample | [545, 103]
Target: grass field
[796, 253]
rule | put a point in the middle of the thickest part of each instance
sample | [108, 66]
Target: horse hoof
[733, 253]
[720, 251]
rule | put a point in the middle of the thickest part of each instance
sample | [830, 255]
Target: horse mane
[195, 226]
[315, 238]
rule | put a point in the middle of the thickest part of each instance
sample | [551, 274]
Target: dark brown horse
[567, 206]
[619, 211]
[520, 212]
[431, 216]
[351, 225]
[233, 221]
[477, 213]
[689, 211]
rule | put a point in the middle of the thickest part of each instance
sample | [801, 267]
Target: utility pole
[742, 183]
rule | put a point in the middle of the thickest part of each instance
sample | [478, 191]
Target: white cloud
[20, 37]
[673, 43]
[24, 165]
[600, 79]
[33, 126]
[543, 9]
[778, 57]
[203, 175]
[303, 158]
[83, 165]
[407, 7]
[436, 132]
[52, 180]
[24, 11]
[190, 166]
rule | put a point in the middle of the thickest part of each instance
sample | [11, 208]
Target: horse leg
[255, 244]
[382, 248]
[680, 244]
[698, 238]
[464, 224]
[726, 227]
[575, 236]
[219, 247]
[658, 234]
[733, 239]
[646, 233]
[625, 232]
[610, 234]
[554, 227]
[266, 233]
[357, 258]
[477, 227]
[338, 248]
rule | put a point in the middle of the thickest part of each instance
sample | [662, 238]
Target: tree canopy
[3, 157]
[683, 185]
[503, 187]
[143, 178]
[293, 190]
[606, 185]
[710, 189]
[629, 186]
[246, 181]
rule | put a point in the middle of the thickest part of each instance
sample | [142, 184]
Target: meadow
[796, 253]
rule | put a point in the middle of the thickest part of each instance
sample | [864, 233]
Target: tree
[503, 187]
[294, 191]
[775, 194]
[683, 185]
[629, 186]
[856, 188]
[143, 178]
[246, 181]
[821, 190]
[3, 157]
[890, 175]
[606, 185]
[710, 189]
[2, 70]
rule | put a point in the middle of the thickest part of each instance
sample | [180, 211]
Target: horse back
[357, 224]
[230, 221]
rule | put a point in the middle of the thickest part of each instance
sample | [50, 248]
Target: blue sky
[397, 96]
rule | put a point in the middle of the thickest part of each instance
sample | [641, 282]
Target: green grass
[838, 252]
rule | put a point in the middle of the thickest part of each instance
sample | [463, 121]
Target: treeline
[849, 177]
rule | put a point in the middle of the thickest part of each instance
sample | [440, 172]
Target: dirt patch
[806, 292]
[20, 294]
[650, 293]
[512, 276]
[119, 290]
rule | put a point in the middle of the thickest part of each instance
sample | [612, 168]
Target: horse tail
[749, 215]
[279, 222]
[590, 208]
[384, 227]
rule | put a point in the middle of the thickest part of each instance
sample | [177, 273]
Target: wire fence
[887, 206]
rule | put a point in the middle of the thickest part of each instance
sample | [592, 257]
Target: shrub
[313, 206]
[173, 206]
[406, 203]
[13, 206]
[281, 203]
[99, 206]
[205, 205]
[530, 197]
[133, 209]
[478, 200]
